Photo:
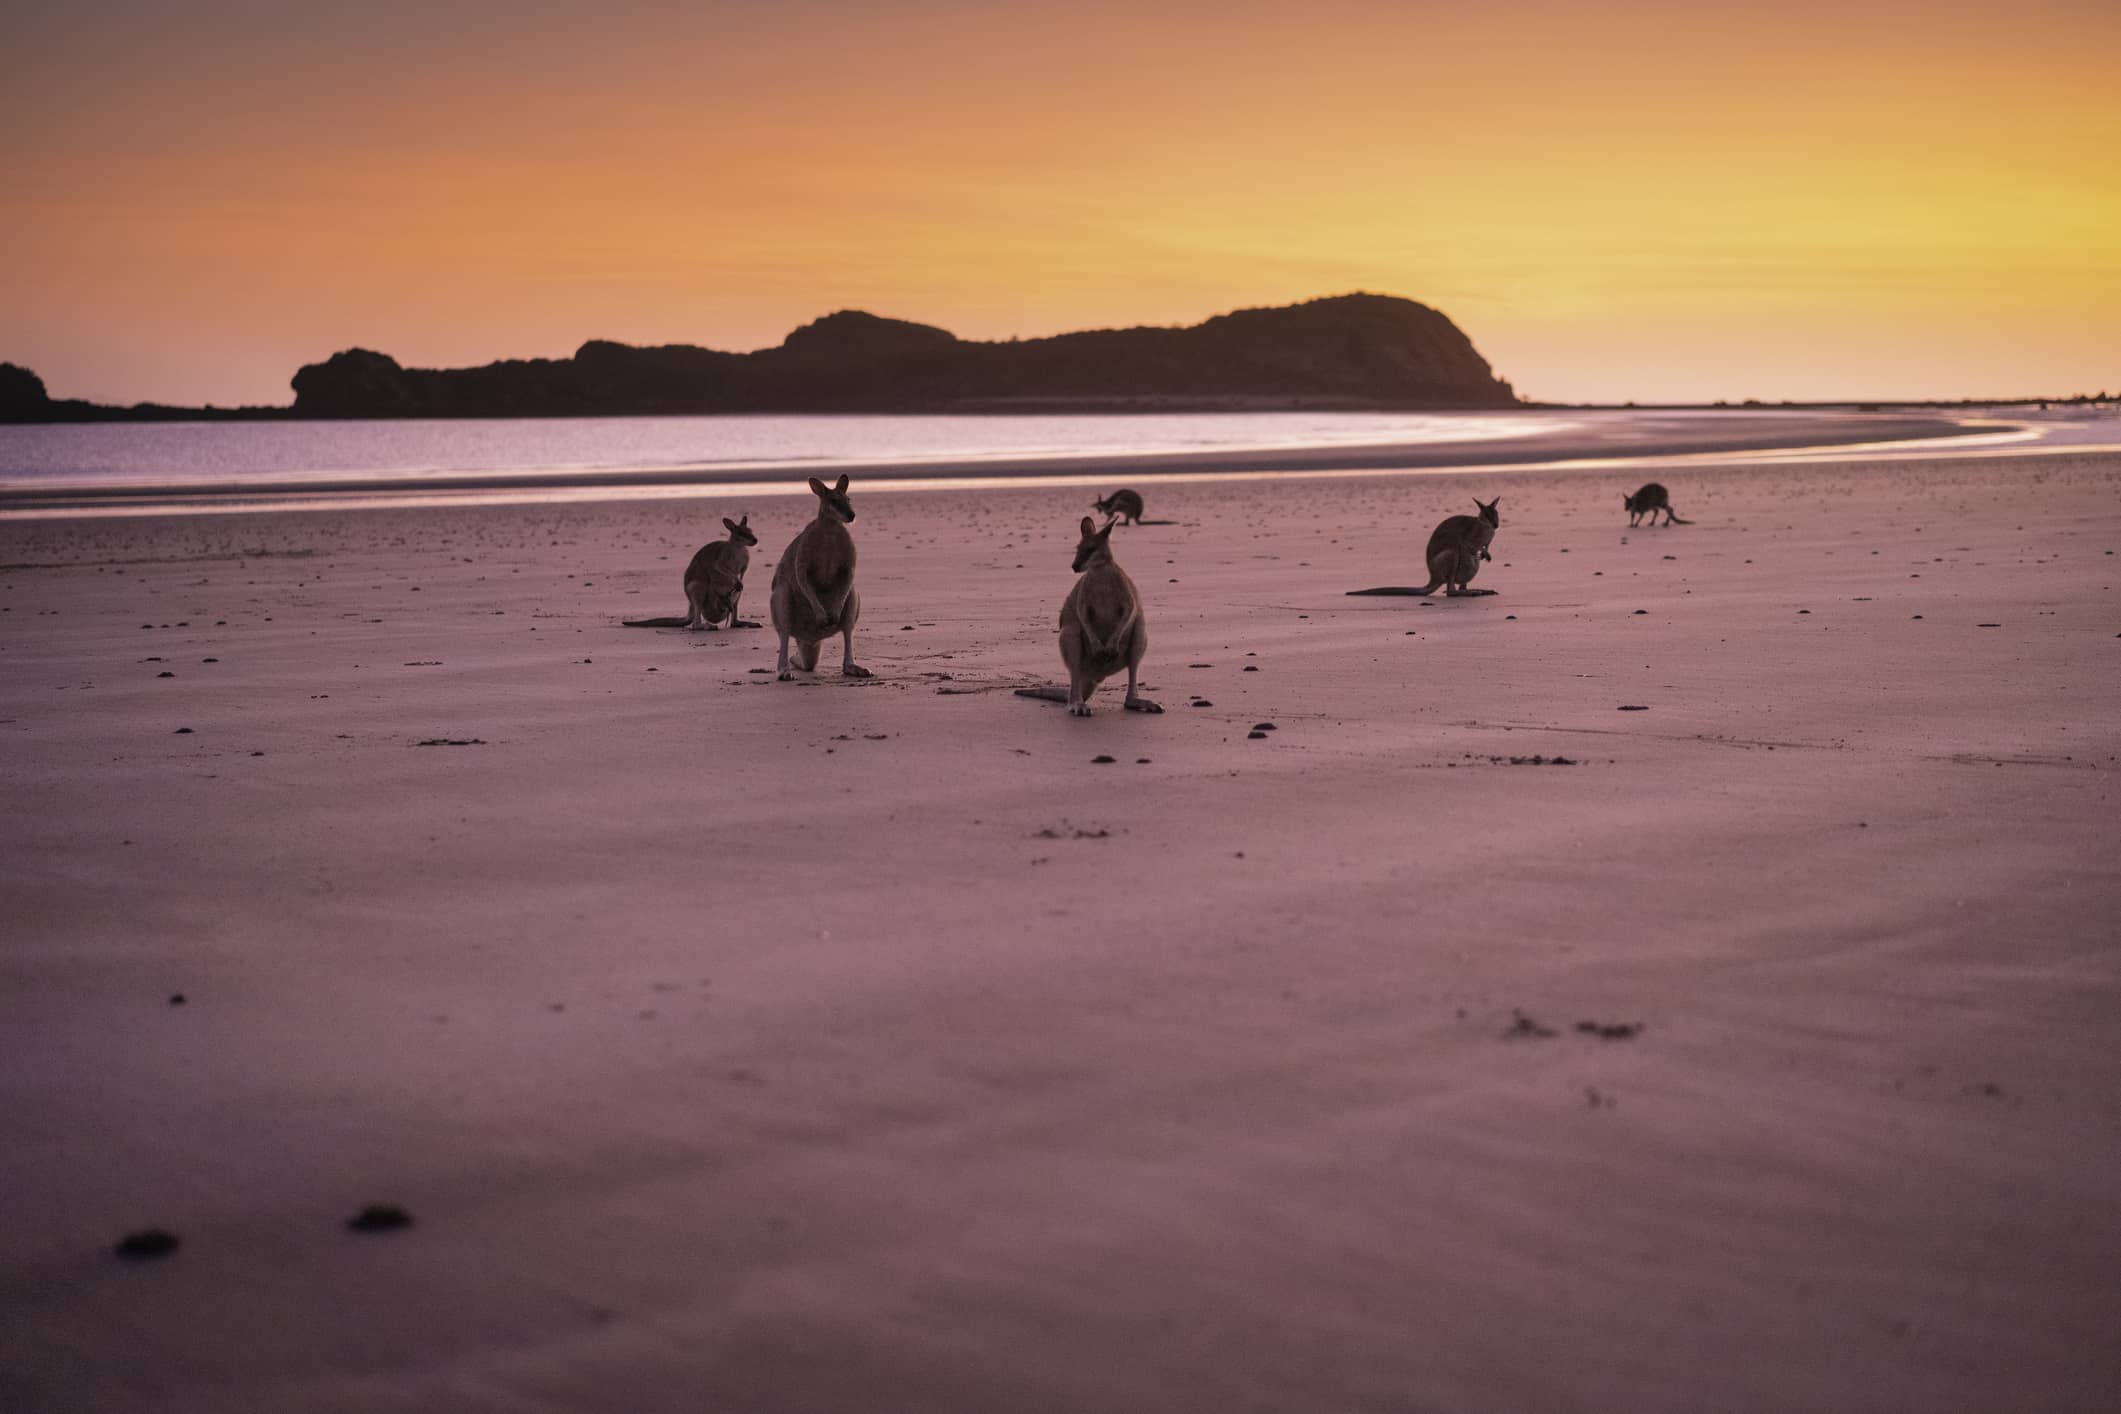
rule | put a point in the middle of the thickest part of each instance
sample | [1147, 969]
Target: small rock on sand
[379, 1217]
[1524, 1028]
[146, 1245]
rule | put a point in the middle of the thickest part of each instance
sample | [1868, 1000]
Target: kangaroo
[1649, 501]
[813, 585]
[1101, 627]
[714, 581]
[1456, 549]
[1124, 505]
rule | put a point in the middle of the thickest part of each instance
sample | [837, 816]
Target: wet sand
[868, 1045]
[1561, 436]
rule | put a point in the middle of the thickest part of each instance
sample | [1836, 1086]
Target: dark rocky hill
[1349, 351]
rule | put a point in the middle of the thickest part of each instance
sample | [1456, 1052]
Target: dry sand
[863, 1046]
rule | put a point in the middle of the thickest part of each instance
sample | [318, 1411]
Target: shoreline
[1580, 438]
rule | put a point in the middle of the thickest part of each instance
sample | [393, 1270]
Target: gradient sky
[1649, 201]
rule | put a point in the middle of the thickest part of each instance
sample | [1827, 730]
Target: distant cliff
[24, 399]
[1349, 351]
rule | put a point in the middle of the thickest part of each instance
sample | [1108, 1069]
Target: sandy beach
[871, 1045]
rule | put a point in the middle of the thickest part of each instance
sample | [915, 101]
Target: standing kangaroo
[1456, 549]
[1125, 505]
[813, 585]
[1649, 501]
[714, 581]
[1101, 627]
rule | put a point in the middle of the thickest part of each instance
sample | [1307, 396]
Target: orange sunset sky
[1649, 201]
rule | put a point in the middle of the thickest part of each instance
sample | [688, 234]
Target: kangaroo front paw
[855, 670]
[787, 675]
[1078, 709]
[1142, 704]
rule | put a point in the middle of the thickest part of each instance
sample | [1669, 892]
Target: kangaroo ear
[817, 487]
[1089, 527]
[728, 522]
[842, 487]
[744, 519]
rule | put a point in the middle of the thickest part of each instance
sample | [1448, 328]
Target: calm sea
[209, 454]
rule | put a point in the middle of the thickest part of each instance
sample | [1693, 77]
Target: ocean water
[232, 454]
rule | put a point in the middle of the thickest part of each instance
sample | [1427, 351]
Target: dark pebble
[1251, 668]
[379, 1217]
[165, 675]
[1633, 707]
[1611, 1030]
[1255, 736]
[1263, 726]
[181, 731]
[1642, 611]
[176, 999]
[146, 1244]
[1101, 760]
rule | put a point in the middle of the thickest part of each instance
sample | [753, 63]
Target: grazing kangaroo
[813, 585]
[1649, 501]
[714, 581]
[1125, 505]
[1456, 549]
[1101, 627]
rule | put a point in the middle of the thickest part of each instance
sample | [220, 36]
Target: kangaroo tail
[677, 622]
[1044, 694]
[1422, 593]
[1678, 520]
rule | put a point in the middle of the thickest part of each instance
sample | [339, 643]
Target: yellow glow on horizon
[1659, 202]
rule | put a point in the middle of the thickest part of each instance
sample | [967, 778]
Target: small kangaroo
[813, 585]
[1456, 549]
[1101, 627]
[1649, 501]
[714, 581]
[1124, 505]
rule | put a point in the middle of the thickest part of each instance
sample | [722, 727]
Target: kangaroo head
[740, 530]
[1488, 512]
[1095, 547]
[834, 499]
